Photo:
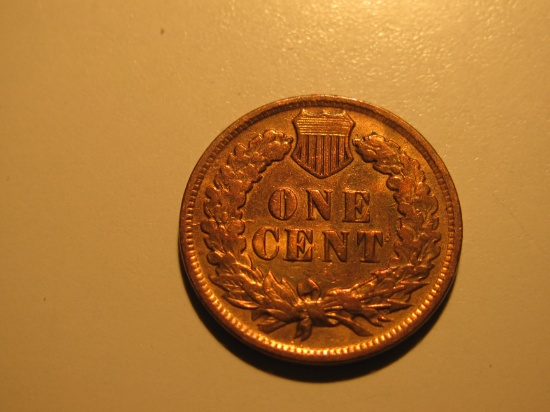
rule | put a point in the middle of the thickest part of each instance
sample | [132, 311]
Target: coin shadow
[308, 373]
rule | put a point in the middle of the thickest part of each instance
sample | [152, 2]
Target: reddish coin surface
[320, 229]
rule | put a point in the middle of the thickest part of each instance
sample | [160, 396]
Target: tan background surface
[105, 107]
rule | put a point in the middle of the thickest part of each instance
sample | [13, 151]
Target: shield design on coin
[322, 144]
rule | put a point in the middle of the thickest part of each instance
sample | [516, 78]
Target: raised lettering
[259, 242]
[334, 242]
[370, 238]
[356, 206]
[282, 203]
[315, 200]
[299, 245]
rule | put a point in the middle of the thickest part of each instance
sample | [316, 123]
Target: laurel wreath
[274, 302]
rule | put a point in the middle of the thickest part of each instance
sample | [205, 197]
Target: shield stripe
[311, 154]
[333, 152]
[326, 155]
[342, 150]
[319, 155]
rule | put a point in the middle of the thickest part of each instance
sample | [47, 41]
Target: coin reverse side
[320, 229]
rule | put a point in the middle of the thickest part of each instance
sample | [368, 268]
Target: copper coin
[320, 229]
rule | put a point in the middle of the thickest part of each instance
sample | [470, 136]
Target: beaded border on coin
[297, 353]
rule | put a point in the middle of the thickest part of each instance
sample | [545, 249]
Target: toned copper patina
[320, 229]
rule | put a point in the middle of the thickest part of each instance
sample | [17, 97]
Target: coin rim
[370, 346]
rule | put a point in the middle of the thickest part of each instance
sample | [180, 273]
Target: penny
[320, 229]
